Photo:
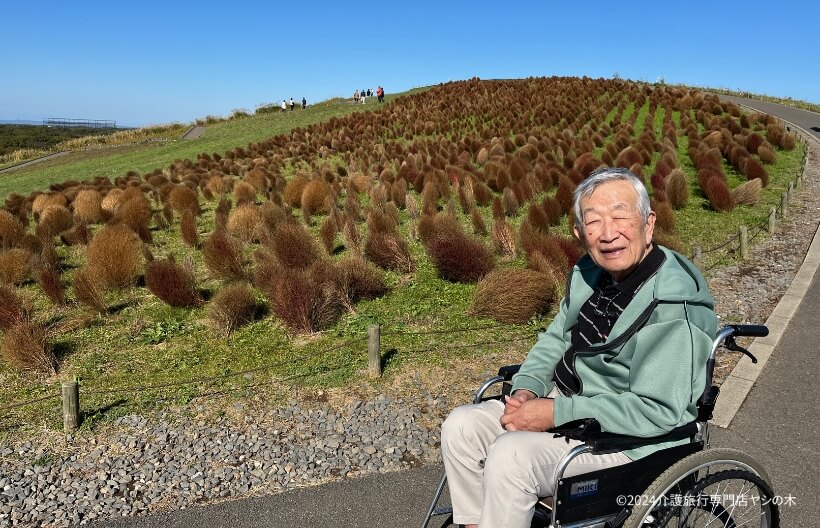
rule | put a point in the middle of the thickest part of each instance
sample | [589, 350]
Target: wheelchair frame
[669, 472]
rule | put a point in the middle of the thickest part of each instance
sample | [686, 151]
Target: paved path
[32, 162]
[193, 133]
[777, 424]
[808, 121]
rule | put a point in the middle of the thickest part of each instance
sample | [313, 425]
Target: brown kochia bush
[246, 223]
[244, 193]
[54, 219]
[766, 154]
[747, 193]
[182, 198]
[222, 254]
[88, 206]
[314, 195]
[677, 189]
[359, 279]
[233, 306]
[25, 347]
[513, 295]
[115, 256]
[135, 212]
[15, 267]
[88, 289]
[294, 245]
[12, 309]
[188, 230]
[48, 277]
[459, 257]
[173, 283]
[664, 216]
[389, 251]
[11, 230]
[503, 237]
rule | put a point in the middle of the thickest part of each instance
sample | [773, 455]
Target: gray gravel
[172, 462]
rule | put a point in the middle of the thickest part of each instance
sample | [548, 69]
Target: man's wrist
[530, 394]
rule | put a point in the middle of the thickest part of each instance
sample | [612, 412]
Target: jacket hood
[677, 280]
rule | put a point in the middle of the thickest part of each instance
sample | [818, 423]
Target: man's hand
[524, 412]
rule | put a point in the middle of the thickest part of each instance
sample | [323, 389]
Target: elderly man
[628, 348]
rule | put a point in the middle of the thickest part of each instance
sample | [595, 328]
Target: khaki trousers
[496, 477]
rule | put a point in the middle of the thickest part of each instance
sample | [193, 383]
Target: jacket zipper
[620, 340]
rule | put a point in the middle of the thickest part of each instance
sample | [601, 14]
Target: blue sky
[149, 62]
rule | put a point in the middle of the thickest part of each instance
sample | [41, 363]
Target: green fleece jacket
[645, 379]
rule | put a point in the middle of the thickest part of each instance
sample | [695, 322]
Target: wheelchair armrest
[509, 371]
[589, 432]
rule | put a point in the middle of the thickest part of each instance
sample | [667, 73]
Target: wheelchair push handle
[726, 336]
[749, 330]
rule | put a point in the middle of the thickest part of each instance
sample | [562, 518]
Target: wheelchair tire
[715, 487]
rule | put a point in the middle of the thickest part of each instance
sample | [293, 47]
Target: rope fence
[69, 391]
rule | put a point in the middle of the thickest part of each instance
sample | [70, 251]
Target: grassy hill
[521, 143]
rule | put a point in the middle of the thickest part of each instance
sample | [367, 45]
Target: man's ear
[650, 227]
[576, 232]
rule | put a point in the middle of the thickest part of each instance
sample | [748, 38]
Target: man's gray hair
[588, 186]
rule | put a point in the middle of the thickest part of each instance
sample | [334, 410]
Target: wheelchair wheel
[716, 487]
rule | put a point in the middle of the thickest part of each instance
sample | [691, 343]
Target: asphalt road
[777, 425]
[808, 121]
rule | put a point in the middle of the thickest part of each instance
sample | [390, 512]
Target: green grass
[147, 355]
[218, 138]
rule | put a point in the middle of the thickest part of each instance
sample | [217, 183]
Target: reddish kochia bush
[12, 309]
[305, 299]
[223, 256]
[233, 306]
[459, 257]
[754, 169]
[564, 193]
[513, 295]
[719, 195]
[25, 347]
[294, 245]
[115, 256]
[172, 283]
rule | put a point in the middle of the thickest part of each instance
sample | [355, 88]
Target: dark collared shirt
[599, 314]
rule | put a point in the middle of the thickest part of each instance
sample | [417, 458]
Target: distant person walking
[380, 94]
[356, 96]
[304, 103]
[284, 106]
[292, 104]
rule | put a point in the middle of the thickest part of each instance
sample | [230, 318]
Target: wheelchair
[686, 485]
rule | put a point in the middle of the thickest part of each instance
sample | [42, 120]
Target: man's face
[613, 231]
